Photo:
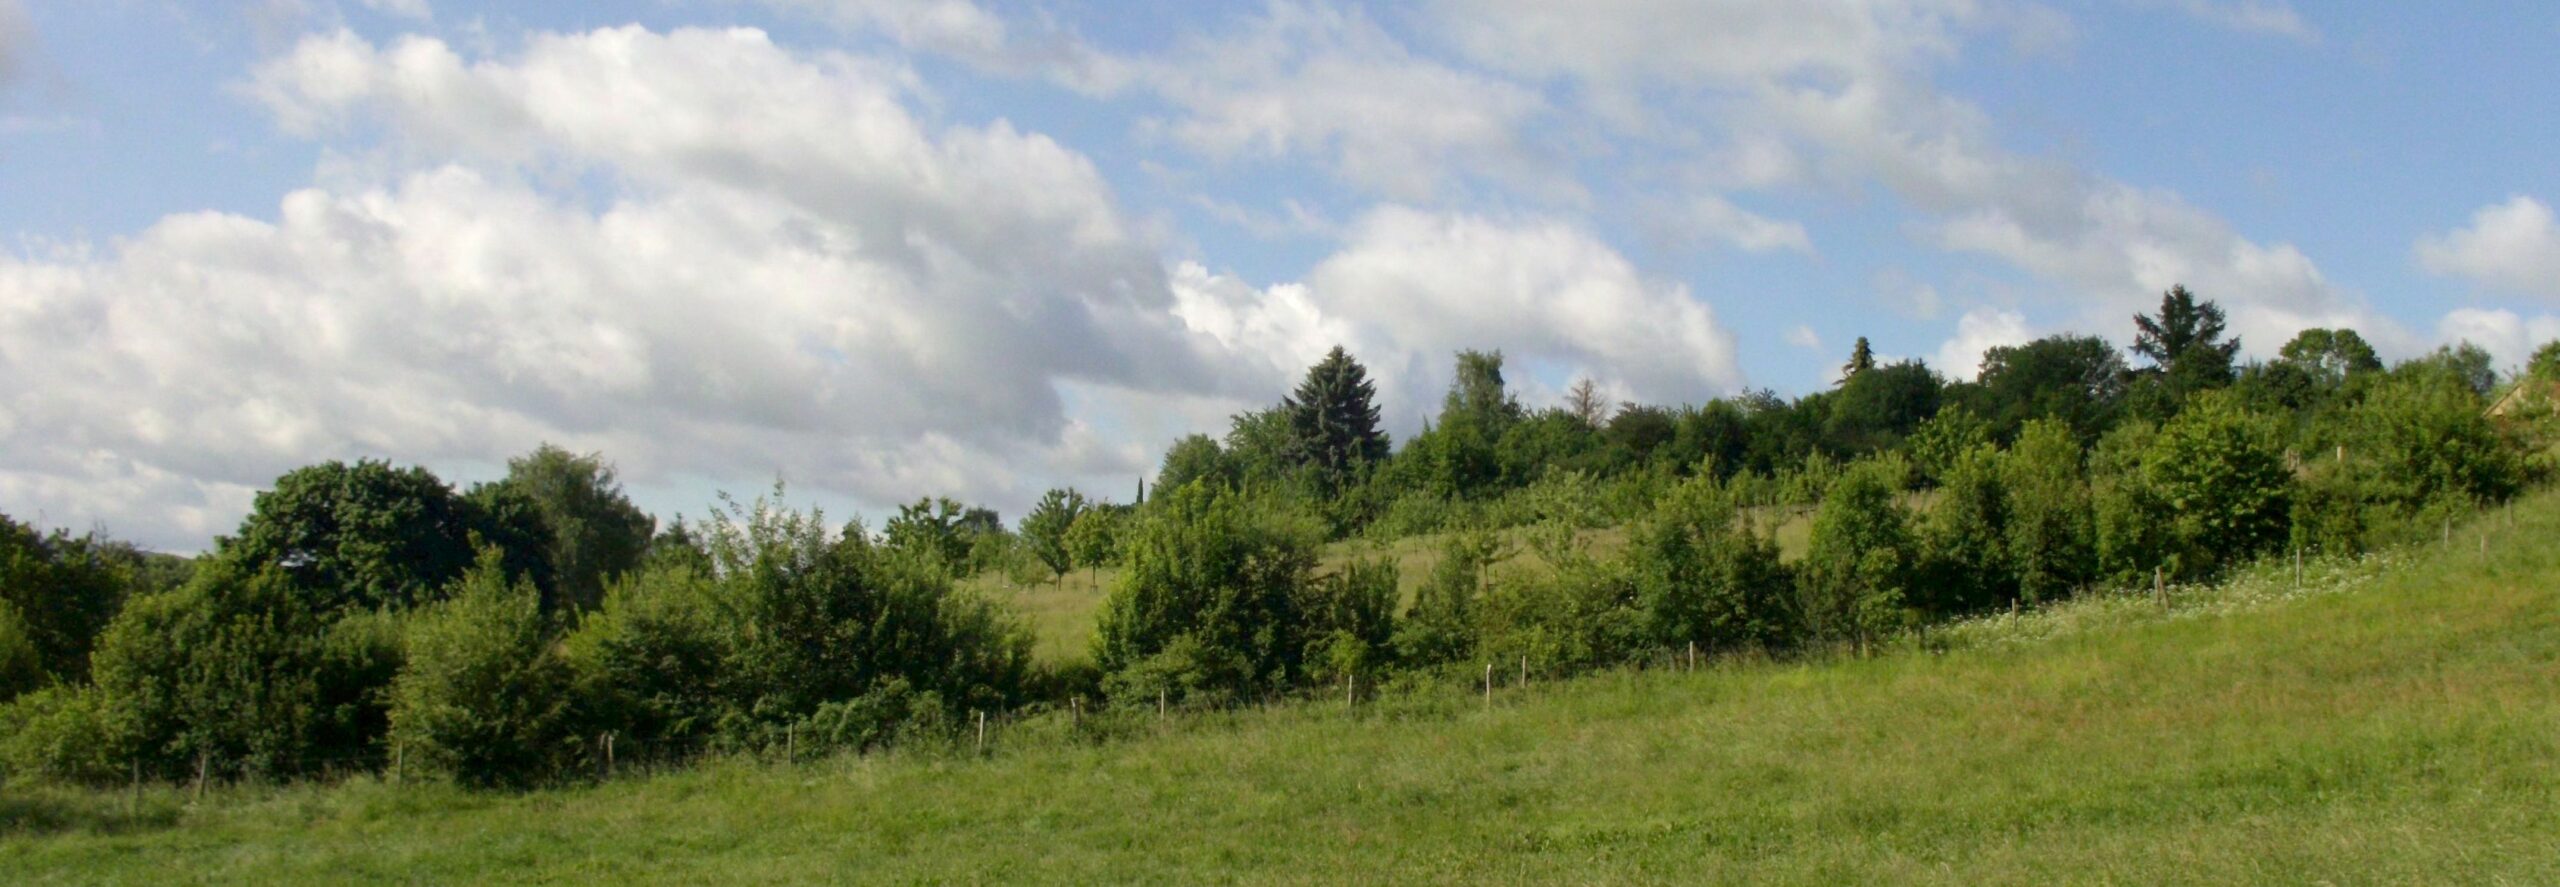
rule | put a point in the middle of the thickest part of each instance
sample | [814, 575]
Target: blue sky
[886, 249]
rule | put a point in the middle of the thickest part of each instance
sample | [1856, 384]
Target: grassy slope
[2403, 726]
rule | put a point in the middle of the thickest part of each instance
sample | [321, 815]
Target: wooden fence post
[2160, 586]
[1488, 686]
[1159, 705]
[982, 732]
[200, 768]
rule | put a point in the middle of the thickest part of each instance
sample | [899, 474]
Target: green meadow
[2393, 719]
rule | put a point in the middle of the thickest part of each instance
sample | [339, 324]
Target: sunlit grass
[2393, 719]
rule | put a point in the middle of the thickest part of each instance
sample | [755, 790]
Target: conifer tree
[1333, 418]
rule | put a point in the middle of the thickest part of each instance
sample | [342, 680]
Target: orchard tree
[1046, 528]
[2217, 475]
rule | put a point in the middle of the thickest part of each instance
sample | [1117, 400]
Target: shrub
[2052, 532]
[483, 698]
[1215, 583]
[1350, 619]
[1441, 626]
[2220, 477]
[1702, 576]
[1856, 581]
[1965, 560]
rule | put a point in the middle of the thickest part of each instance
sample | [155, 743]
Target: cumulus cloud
[2508, 337]
[1409, 288]
[1980, 330]
[791, 274]
[2513, 246]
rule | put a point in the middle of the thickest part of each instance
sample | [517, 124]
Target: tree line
[367, 616]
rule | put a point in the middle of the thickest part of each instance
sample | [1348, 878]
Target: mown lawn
[2397, 721]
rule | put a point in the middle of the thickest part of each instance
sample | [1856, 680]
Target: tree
[1965, 562]
[1441, 626]
[60, 590]
[1208, 603]
[1856, 577]
[1046, 528]
[1094, 539]
[1477, 391]
[2424, 436]
[1333, 420]
[2219, 476]
[2079, 380]
[1583, 401]
[1702, 576]
[2184, 343]
[941, 529]
[369, 535]
[483, 697]
[1350, 619]
[2329, 356]
[1874, 409]
[1196, 457]
[1861, 359]
[2546, 362]
[593, 532]
[2052, 529]
[2463, 361]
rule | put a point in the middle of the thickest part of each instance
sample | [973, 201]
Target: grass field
[2394, 720]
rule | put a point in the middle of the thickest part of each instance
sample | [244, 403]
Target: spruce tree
[2185, 342]
[1333, 418]
[1861, 359]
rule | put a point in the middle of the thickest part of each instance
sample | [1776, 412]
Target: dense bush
[484, 695]
[1211, 584]
[2052, 534]
[1704, 577]
[1856, 584]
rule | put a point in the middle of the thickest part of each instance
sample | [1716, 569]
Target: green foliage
[369, 535]
[1861, 359]
[2423, 432]
[1350, 619]
[1093, 540]
[1477, 391]
[1945, 438]
[61, 734]
[2077, 380]
[233, 668]
[2329, 357]
[1196, 457]
[1873, 410]
[2052, 532]
[57, 591]
[2184, 343]
[1441, 626]
[648, 665]
[1215, 584]
[810, 616]
[484, 696]
[2545, 364]
[1703, 576]
[1046, 527]
[2464, 362]
[1965, 562]
[592, 532]
[942, 531]
[2218, 480]
[1333, 420]
[1856, 581]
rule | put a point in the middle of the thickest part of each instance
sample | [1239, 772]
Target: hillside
[2393, 721]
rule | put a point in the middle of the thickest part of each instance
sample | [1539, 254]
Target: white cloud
[788, 274]
[1716, 218]
[2513, 246]
[2508, 337]
[1804, 337]
[1410, 288]
[1980, 329]
[2275, 18]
